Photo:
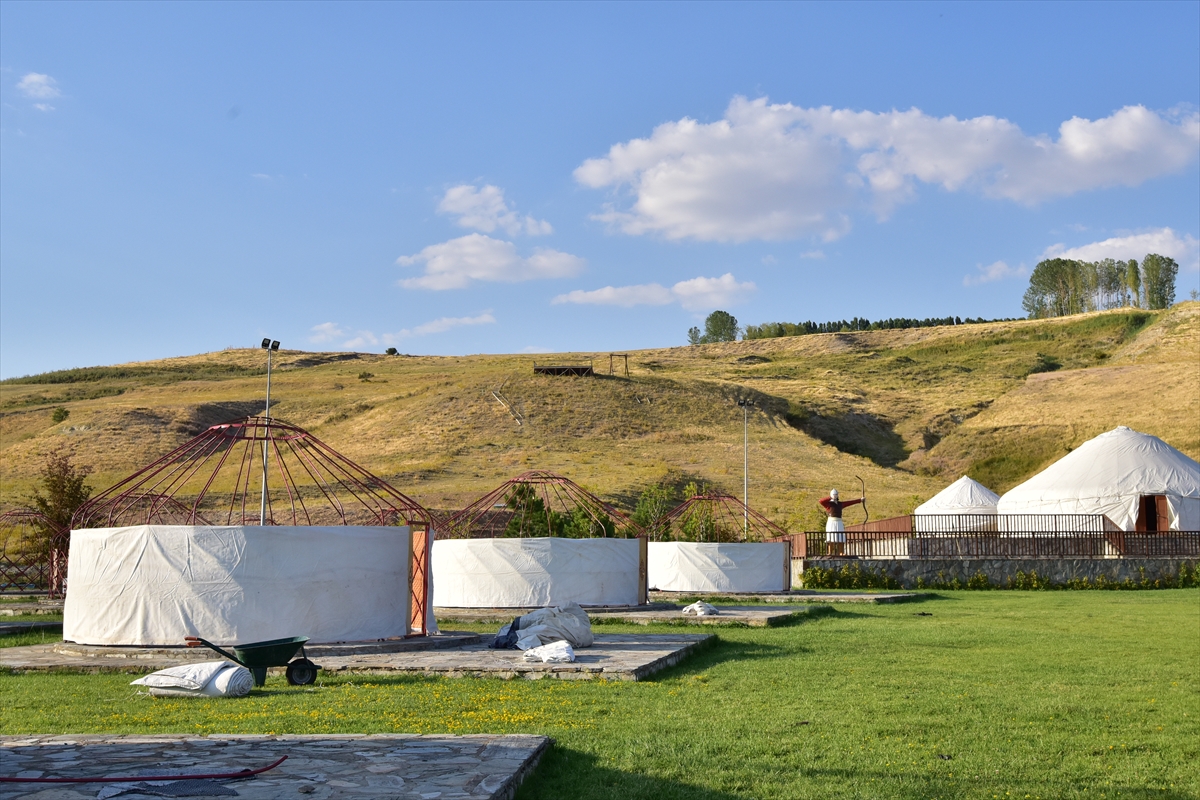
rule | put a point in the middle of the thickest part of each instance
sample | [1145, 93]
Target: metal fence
[1000, 544]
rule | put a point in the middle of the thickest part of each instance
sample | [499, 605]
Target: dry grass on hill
[906, 410]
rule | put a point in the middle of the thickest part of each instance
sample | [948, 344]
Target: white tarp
[519, 573]
[155, 584]
[1109, 475]
[206, 679]
[718, 567]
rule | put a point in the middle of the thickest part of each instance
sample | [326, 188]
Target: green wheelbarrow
[257, 656]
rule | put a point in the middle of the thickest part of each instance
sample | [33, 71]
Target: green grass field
[995, 695]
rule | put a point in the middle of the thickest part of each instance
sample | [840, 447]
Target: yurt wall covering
[155, 584]
[542, 571]
[719, 567]
[1109, 475]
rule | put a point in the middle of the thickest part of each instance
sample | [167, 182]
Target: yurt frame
[490, 515]
[173, 489]
[49, 572]
[727, 512]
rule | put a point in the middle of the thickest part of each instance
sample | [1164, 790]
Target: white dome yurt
[965, 504]
[1138, 481]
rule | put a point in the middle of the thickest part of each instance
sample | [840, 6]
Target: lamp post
[745, 406]
[270, 346]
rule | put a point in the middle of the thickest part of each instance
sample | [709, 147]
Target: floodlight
[275, 345]
[266, 344]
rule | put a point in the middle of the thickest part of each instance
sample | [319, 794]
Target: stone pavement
[669, 613]
[623, 657]
[328, 767]
[794, 596]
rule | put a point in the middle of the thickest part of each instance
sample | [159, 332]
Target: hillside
[908, 411]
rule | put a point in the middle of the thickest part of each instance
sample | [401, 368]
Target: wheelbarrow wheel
[301, 672]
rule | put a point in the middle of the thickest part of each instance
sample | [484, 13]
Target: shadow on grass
[564, 772]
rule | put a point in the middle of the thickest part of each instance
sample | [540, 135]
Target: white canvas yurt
[965, 504]
[1138, 481]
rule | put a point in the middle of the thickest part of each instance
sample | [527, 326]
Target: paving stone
[474, 766]
[794, 596]
[625, 657]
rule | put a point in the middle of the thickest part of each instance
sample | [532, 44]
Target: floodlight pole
[269, 346]
[745, 404]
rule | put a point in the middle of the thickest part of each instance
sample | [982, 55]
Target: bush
[59, 414]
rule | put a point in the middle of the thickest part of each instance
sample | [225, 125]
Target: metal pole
[262, 507]
[746, 468]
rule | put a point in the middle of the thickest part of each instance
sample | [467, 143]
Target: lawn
[969, 694]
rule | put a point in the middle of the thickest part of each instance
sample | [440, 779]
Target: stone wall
[1001, 571]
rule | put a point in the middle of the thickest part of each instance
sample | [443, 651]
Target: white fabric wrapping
[155, 584]
[700, 609]
[519, 573]
[1108, 475]
[718, 567]
[568, 623]
[206, 679]
[554, 653]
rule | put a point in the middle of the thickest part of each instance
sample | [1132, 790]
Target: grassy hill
[908, 411]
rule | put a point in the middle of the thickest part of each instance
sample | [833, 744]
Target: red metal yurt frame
[310, 483]
[728, 513]
[489, 516]
[51, 572]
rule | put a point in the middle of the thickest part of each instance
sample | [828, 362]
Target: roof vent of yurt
[715, 517]
[217, 479]
[540, 503]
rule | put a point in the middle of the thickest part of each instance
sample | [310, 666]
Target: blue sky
[462, 178]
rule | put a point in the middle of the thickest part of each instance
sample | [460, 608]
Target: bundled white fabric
[719, 567]
[554, 653]
[524, 573]
[569, 622]
[207, 679]
[700, 609]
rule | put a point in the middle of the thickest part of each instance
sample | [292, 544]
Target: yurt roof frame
[750, 524]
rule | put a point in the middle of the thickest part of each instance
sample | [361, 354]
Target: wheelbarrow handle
[196, 641]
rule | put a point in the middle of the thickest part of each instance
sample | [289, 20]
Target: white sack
[206, 679]
[155, 584]
[568, 623]
[700, 609]
[519, 573]
[717, 567]
[1108, 475]
[553, 653]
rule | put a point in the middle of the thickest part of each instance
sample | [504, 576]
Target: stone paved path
[325, 767]
[797, 596]
[752, 616]
[618, 657]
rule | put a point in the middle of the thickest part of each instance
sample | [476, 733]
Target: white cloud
[331, 331]
[326, 332]
[457, 263]
[647, 294]
[262, 176]
[778, 171]
[43, 106]
[443, 324]
[996, 271]
[486, 210]
[1184, 249]
[695, 294]
[38, 86]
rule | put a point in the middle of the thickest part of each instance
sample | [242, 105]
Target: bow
[863, 484]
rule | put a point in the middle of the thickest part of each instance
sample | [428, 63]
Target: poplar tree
[1133, 282]
[1158, 280]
